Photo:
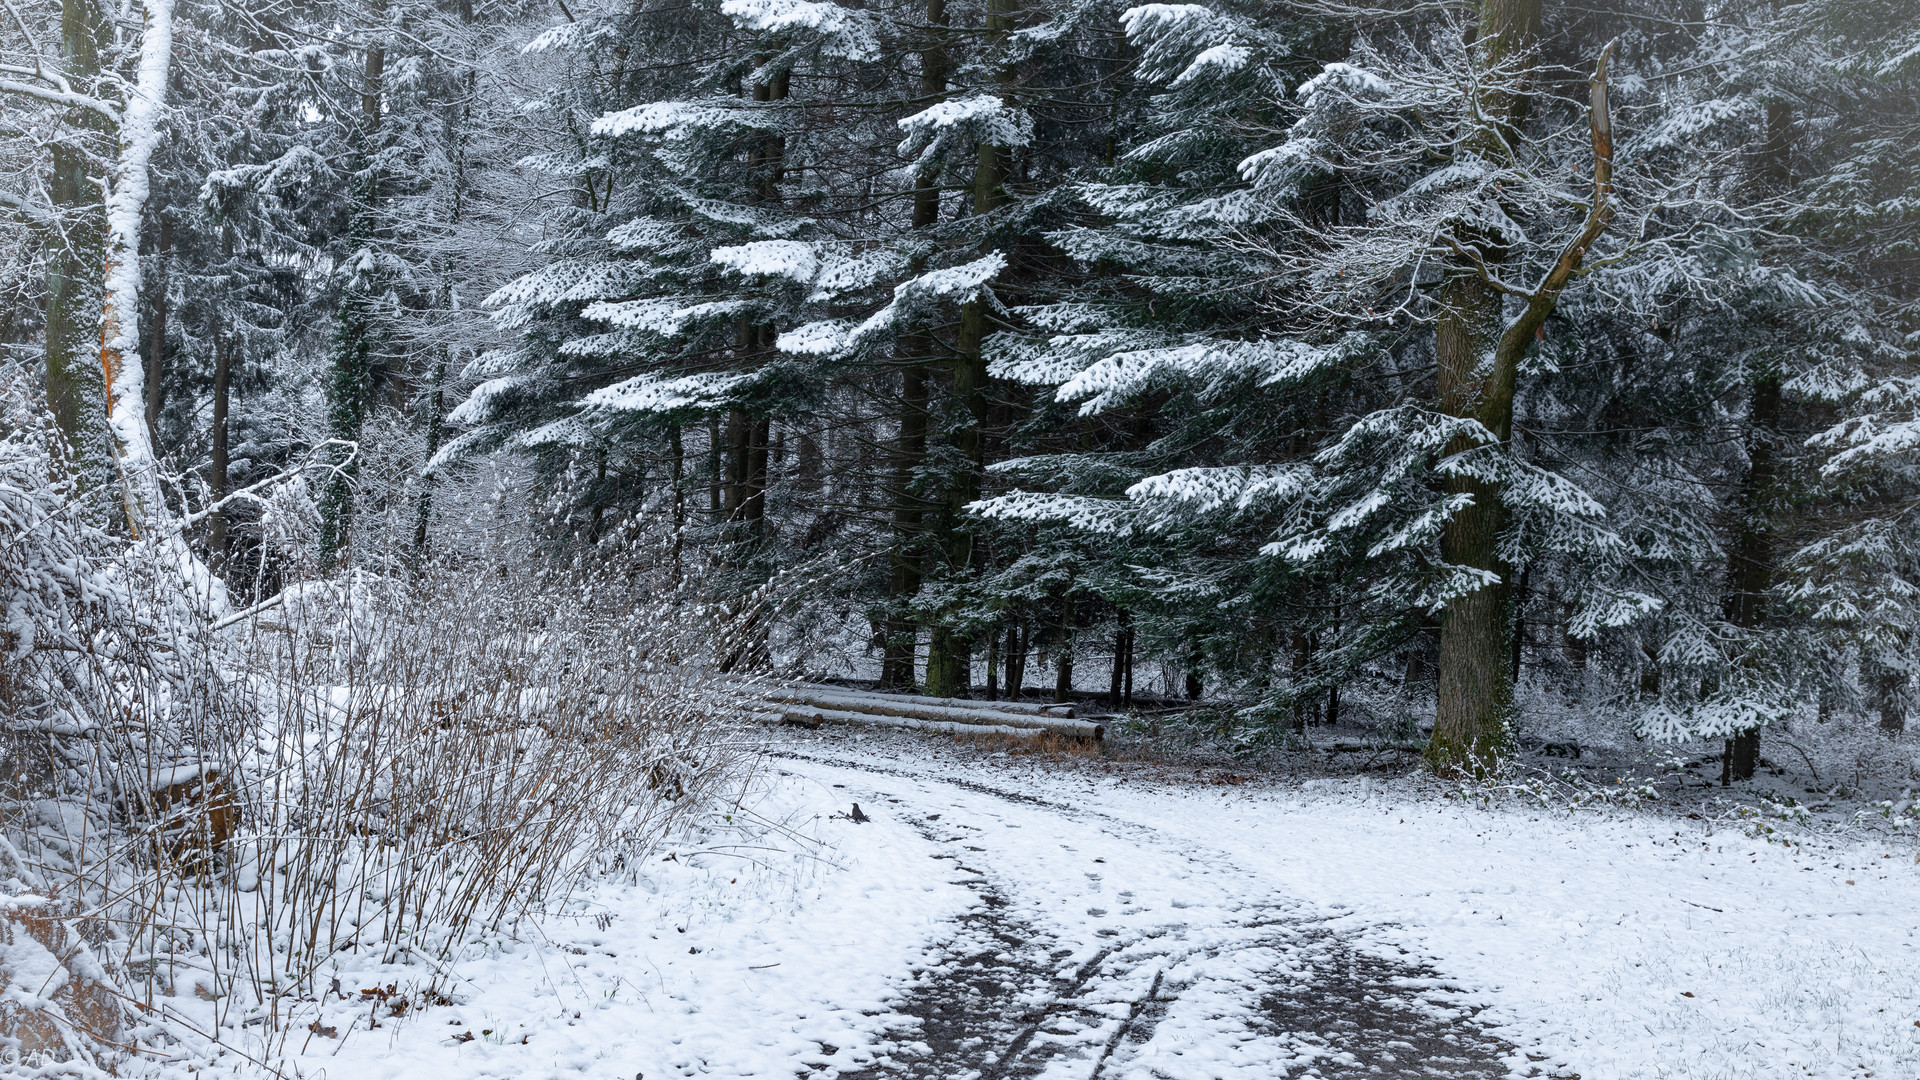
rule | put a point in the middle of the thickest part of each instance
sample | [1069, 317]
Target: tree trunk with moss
[350, 366]
[75, 254]
[1478, 350]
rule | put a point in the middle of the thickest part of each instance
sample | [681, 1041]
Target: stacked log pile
[813, 704]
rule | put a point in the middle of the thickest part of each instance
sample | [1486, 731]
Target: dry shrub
[196, 818]
[1044, 744]
[417, 759]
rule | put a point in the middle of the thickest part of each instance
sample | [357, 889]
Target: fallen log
[970, 722]
[925, 709]
[1023, 708]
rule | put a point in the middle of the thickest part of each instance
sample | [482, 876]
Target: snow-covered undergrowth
[766, 933]
[418, 764]
[203, 818]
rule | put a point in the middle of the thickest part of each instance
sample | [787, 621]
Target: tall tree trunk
[739, 439]
[217, 467]
[74, 255]
[754, 511]
[909, 509]
[1475, 690]
[1016, 676]
[993, 666]
[1751, 567]
[678, 462]
[897, 668]
[1478, 355]
[433, 406]
[350, 379]
[125, 390]
[1887, 690]
[1063, 652]
[157, 331]
[949, 653]
[716, 509]
[1471, 723]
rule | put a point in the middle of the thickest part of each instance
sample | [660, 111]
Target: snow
[31, 977]
[814, 339]
[719, 962]
[674, 119]
[988, 119]
[1610, 944]
[979, 109]
[1113, 379]
[666, 317]
[656, 393]
[771, 258]
[850, 32]
[1138, 20]
[1346, 79]
[479, 405]
[911, 298]
[1221, 59]
[1207, 489]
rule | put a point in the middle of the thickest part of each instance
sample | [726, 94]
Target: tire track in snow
[1270, 992]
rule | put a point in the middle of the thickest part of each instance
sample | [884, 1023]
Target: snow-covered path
[1100, 948]
[1007, 917]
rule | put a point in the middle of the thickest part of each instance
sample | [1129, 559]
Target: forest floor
[1071, 915]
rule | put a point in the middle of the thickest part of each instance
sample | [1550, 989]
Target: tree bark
[948, 653]
[909, 511]
[350, 379]
[217, 468]
[993, 666]
[1478, 355]
[897, 664]
[677, 452]
[1471, 721]
[73, 300]
[1016, 660]
[125, 390]
[1063, 653]
[739, 438]
[1887, 690]
[157, 333]
[716, 511]
[1751, 566]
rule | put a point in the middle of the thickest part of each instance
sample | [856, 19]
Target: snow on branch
[680, 119]
[848, 33]
[935, 130]
[1119, 377]
[1106, 516]
[914, 300]
[659, 394]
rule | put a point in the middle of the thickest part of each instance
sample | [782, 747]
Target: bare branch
[57, 97]
[1519, 333]
[34, 214]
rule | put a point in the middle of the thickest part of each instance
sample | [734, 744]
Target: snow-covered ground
[1017, 916]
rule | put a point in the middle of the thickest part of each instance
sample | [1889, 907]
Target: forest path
[1104, 949]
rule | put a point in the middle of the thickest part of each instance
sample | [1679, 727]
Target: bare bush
[203, 813]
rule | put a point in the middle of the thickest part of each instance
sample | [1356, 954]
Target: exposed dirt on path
[1272, 991]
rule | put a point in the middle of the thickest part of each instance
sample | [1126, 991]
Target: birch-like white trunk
[120, 352]
[120, 323]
